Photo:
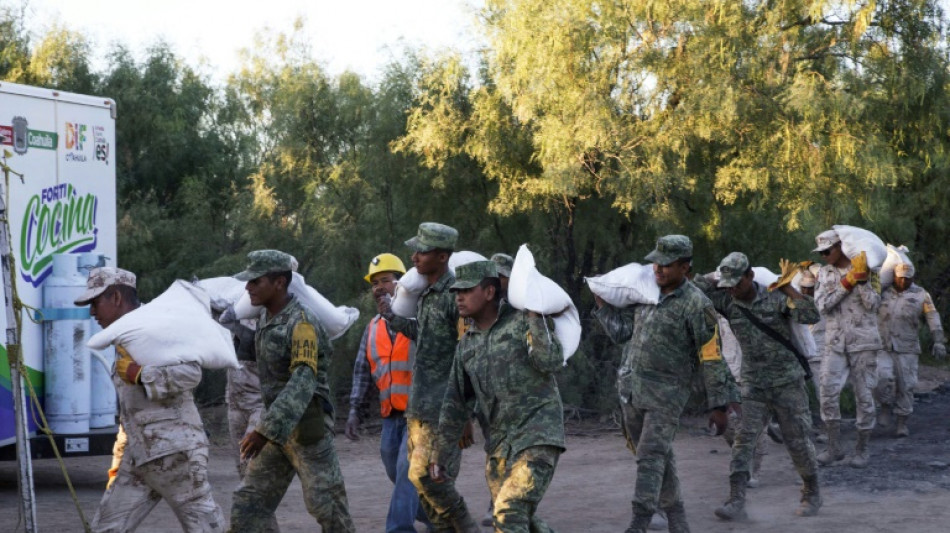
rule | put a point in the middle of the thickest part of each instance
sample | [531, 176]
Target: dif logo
[75, 136]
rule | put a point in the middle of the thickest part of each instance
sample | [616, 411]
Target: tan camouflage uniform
[852, 343]
[165, 454]
[899, 318]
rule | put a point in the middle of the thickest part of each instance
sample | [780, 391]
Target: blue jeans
[404, 508]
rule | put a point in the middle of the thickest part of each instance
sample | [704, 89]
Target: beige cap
[904, 270]
[826, 239]
[100, 279]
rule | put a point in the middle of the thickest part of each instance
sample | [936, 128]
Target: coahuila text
[57, 221]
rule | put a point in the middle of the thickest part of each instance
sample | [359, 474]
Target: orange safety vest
[390, 365]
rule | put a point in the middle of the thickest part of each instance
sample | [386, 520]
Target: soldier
[503, 262]
[383, 360]
[435, 331]
[902, 306]
[772, 376]
[295, 434]
[163, 450]
[666, 344]
[847, 297]
[505, 363]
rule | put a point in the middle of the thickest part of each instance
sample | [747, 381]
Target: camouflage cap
[260, 262]
[904, 270]
[471, 274]
[826, 239]
[431, 236]
[503, 262]
[732, 268]
[669, 248]
[100, 279]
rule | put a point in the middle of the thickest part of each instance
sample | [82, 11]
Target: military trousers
[649, 435]
[789, 404]
[835, 369]
[761, 442]
[181, 479]
[270, 473]
[897, 380]
[440, 501]
[517, 483]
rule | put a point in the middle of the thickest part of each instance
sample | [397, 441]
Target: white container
[65, 356]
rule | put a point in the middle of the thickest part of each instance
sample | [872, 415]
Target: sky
[357, 35]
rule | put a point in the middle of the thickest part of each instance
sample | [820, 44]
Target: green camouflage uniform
[297, 422]
[435, 332]
[507, 371]
[666, 344]
[772, 378]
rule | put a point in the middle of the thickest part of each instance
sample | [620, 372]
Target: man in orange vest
[383, 360]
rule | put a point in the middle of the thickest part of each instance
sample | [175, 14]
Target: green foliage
[589, 129]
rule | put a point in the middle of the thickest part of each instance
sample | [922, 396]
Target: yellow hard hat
[384, 263]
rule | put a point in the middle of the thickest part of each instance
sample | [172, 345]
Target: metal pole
[24, 456]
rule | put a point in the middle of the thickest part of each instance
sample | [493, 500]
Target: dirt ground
[906, 488]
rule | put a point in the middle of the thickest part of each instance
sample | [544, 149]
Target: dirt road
[906, 488]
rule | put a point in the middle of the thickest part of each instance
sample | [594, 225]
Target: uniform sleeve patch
[304, 347]
[710, 350]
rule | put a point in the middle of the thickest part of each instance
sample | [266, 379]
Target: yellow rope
[14, 353]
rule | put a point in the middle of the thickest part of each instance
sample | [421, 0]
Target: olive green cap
[503, 262]
[431, 236]
[260, 262]
[471, 274]
[669, 248]
[732, 268]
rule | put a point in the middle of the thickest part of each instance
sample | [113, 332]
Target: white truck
[58, 154]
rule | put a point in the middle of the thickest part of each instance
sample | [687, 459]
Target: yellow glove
[126, 367]
[858, 272]
[789, 269]
[113, 472]
[805, 264]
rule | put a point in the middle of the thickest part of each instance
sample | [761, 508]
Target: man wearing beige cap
[164, 453]
[848, 296]
[902, 306]
[435, 332]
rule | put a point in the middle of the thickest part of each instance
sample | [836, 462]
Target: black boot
[676, 517]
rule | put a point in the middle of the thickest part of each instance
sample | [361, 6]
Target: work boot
[884, 416]
[902, 430]
[676, 517]
[833, 452]
[734, 508]
[639, 523]
[658, 521]
[861, 454]
[811, 497]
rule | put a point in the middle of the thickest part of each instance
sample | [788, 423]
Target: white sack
[896, 255]
[856, 240]
[335, 320]
[224, 291]
[406, 298]
[529, 290]
[764, 276]
[464, 257]
[627, 285]
[174, 328]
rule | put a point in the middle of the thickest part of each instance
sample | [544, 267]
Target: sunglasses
[825, 252]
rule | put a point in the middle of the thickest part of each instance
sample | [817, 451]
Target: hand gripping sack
[335, 320]
[406, 299]
[627, 285]
[855, 240]
[175, 327]
[529, 290]
[896, 255]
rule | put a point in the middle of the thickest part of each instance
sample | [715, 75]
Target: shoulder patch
[710, 351]
[303, 346]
